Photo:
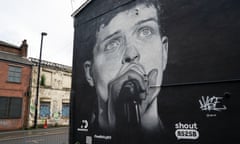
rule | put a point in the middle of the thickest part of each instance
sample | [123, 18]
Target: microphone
[127, 108]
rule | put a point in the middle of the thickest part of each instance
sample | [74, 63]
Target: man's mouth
[136, 71]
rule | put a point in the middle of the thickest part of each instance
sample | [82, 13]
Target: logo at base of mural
[83, 126]
[186, 131]
[212, 104]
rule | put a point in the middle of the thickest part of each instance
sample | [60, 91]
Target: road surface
[36, 136]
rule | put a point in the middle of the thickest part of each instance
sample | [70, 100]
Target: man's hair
[85, 35]
[106, 18]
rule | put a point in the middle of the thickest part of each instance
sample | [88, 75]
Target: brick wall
[9, 89]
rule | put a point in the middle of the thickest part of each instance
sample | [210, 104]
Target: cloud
[26, 19]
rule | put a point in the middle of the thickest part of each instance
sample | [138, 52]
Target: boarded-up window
[10, 107]
[44, 109]
[14, 74]
[65, 110]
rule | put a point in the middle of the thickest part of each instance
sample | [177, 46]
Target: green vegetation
[43, 80]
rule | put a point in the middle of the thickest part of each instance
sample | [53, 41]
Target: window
[10, 107]
[67, 81]
[65, 110]
[48, 77]
[44, 109]
[14, 74]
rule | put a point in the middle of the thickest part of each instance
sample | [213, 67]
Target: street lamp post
[38, 79]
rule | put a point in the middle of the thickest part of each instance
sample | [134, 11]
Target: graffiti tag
[212, 104]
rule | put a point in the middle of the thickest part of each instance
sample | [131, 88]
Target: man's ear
[164, 51]
[88, 73]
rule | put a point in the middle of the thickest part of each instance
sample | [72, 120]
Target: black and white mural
[155, 71]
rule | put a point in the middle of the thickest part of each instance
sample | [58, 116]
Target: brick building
[15, 71]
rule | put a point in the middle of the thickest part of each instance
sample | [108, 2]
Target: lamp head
[44, 33]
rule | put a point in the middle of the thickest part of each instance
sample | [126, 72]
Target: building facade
[54, 93]
[15, 71]
[156, 71]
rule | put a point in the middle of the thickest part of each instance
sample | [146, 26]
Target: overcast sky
[26, 19]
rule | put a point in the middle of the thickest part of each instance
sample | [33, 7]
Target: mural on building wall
[146, 71]
[126, 69]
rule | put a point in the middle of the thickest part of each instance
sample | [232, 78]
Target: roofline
[4, 43]
[46, 63]
[15, 62]
[81, 8]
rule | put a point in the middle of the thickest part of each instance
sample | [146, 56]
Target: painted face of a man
[130, 41]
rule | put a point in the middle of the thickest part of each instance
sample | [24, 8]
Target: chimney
[24, 48]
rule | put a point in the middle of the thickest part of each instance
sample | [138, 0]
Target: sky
[26, 19]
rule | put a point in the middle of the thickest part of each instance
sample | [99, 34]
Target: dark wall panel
[199, 89]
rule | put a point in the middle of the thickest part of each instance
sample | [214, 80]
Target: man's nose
[131, 54]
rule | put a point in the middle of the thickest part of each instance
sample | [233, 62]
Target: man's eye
[112, 45]
[145, 32]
